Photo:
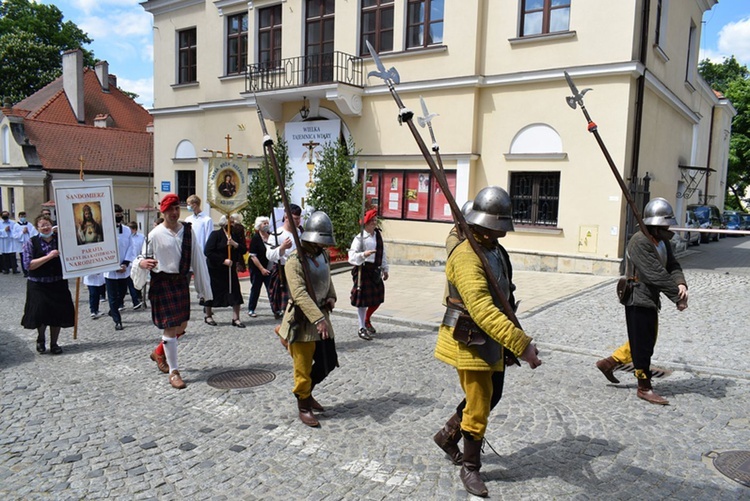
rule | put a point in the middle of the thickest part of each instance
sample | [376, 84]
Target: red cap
[370, 215]
[168, 201]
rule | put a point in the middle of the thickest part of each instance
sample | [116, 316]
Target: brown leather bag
[625, 289]
[466, 331]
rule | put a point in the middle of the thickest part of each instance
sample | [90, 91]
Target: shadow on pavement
[379, 409]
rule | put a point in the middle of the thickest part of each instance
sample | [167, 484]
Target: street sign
[166, 186]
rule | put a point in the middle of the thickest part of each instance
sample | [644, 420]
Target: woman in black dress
[48, 300]
[222, 267]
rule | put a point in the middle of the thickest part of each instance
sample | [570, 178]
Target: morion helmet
[318, 229]
[492, 210]
[658, 212]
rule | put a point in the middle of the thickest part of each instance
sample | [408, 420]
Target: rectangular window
[187, 70]
[185, 184]
[236, 43]
[692, 51]
[535, 197]
[376, 26]
[410, 195]
[424, 23]
[319, 24]
[544, 16]
[269, 36]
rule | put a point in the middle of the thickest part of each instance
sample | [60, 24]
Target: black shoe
[40, 347]
[55, 349]
[238, 323]
[138, 305]
[16, 272]
[363, 334]
[118, 326]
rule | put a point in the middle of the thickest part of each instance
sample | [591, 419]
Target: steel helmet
[492, 210]
[318, 229]
[658, 212]
[466, 208]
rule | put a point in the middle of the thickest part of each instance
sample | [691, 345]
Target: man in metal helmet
[306, 326]
[475, 332]
[650, 261]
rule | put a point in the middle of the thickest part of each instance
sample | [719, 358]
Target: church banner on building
[305, 141]
[227, 183]
[86, 227]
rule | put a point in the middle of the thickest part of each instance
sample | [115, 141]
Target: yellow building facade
[492, 70]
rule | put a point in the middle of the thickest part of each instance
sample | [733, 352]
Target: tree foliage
[32, 38]
[733, 80]
[335, 191]
[263, 193]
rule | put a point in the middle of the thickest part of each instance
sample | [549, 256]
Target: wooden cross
[80, 173]
[228, 138]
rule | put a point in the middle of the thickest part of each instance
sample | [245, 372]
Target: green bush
[336, 193]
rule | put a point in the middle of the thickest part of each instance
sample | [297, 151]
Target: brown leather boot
[647, 393]
[607, 366]
[447, 439]
[161, 361]
[305, 412]
[314, 405]
[472, 463]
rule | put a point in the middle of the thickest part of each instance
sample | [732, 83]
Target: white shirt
[127, 252]
[357, 251]
[21, 237]
[166, 247]
[202, 228]
[272, 252]
[7, 238]
[97, 279]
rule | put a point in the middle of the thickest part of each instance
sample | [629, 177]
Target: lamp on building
[304, 112]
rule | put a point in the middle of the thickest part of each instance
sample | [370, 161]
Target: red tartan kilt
[372, 291]
[277, 291]
[170, 299]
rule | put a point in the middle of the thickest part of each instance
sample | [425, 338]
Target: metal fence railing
[301, 71]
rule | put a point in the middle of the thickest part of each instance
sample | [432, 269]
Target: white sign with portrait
[86, 227]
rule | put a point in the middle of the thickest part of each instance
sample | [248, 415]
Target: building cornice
[231, 4]
[158, 7]
[657, 86]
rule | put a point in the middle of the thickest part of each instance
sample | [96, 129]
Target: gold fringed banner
[227, 183]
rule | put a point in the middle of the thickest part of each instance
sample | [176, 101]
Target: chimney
[102, 73]
[73, 81]
[113, 81]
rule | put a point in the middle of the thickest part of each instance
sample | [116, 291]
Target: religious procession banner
[86, 227]
[227, 183]
[305, 141]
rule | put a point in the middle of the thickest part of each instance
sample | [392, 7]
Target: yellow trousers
[622, 354]
[477, 386]
[302, 358]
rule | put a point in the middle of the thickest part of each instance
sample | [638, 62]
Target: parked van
[709, 216]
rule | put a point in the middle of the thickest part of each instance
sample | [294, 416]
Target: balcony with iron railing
[335, 76]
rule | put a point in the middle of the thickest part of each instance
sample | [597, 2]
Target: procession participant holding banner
[168, 255]
[367, 255]
[225, 286]
[48, 300]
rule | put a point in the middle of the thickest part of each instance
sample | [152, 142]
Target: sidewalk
[413, 294]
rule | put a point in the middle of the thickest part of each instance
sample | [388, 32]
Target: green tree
[32, 38]
[335, 191]
[262, 191]
[732, 79]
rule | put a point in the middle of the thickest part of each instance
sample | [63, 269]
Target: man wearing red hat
[168, 255]
[367, 254]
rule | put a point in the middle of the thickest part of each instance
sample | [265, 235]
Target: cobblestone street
[100, 421]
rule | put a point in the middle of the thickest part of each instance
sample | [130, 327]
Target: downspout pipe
[640, 91]
[708, 157]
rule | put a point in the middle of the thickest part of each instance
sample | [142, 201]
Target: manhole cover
[733, 464]
[242, 378]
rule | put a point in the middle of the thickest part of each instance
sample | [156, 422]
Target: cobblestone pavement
[100, 421]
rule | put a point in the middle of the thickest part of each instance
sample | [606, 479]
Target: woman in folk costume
[367, 254]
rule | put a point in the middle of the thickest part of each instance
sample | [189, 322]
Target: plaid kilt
[170, 299]
[372, 292]
[278, 292]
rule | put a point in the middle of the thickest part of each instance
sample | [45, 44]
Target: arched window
[185, 151]
[536, 139]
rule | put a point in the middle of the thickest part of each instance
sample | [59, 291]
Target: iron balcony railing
[330, 67]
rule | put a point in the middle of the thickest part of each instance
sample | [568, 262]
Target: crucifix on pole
[310, 160]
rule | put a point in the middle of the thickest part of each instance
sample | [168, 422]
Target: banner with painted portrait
[86, 227]
[227, 183]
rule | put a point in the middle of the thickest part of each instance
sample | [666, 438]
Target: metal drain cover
[732, 464]
[241, 378]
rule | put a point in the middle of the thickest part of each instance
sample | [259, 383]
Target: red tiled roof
[50, 104]
[104, 150]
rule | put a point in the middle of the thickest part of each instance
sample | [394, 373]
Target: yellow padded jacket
[306, 332]
[464, 270]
